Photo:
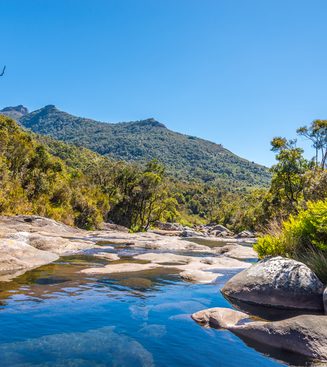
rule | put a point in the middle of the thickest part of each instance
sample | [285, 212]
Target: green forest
[185, 157]
[40, 175]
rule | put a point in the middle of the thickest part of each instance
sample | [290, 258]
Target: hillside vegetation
[295, 206]
[40, 175]
[185, 157]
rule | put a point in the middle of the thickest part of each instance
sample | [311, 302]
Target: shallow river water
[56, 316]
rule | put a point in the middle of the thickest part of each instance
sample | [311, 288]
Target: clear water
[56, 316]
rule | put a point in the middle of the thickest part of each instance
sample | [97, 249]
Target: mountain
[15, 112]
[184, 156]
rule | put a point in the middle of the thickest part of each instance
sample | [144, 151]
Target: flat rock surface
[39, 241]
[237, 251]
[17, 255]
[120, 268]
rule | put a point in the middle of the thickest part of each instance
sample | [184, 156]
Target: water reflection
[56, 316]
[64, 276]
[266, 313]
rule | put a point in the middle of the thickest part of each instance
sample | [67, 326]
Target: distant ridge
[185, 157]
[15, 112]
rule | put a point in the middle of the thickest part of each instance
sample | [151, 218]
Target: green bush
[302, 237]
[299, 233]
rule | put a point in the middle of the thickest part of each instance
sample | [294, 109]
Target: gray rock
[169, 226]
[245, 234]
[236, 251]
[190, 233]
[305, 335]
[220, 228]
[17, 256]
[113, 227]
[199, 276]
[325, 300]
[219, 317]
[277, 282]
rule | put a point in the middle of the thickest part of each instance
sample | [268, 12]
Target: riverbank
[31, 241]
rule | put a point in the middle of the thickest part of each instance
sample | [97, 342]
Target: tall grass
[302, 237]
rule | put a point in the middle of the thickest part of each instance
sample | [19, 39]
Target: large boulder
[277, 282]
[220, 231]
[305, 335]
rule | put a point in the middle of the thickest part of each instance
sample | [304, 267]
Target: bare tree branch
[3, 71]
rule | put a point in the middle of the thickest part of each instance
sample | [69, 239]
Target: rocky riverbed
[31, 241]
[278, 303]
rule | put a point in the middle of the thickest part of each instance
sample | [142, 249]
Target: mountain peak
[15, 112]
[49, 107]
[151, 122]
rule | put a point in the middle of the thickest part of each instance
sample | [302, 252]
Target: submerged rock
[219, 317]
[277, 282]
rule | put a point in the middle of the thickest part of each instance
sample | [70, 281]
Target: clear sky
[237, 72]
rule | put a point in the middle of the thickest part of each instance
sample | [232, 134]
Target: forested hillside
[185, 157]
[40, 175]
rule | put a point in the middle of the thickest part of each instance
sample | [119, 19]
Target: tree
[289, 178]
[317, 134]
[145, 197]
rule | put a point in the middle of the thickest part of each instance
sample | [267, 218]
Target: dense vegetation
[197, 202]
[296, 204]
[185, 157]
[73, 185]
[41, 175]
[303, 237]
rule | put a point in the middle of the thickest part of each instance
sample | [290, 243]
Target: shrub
[302, 237]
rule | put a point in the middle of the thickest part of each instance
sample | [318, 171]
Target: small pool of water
[56, 316]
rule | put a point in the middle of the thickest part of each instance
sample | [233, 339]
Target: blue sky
[237, 72]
